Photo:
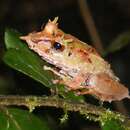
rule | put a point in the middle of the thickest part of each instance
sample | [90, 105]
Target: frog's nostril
[69, 54]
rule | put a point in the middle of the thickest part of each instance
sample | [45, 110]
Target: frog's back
[87, 58]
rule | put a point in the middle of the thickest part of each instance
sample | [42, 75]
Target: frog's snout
[25, 38]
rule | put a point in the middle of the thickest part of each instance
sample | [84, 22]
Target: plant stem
[37, 101]
[90, 111]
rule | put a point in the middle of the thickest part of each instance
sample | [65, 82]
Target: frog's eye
[57, 46]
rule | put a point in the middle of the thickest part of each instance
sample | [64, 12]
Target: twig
[34, 101]
[89, 110]
[90, 25]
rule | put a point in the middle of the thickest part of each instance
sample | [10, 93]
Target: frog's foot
[54, 91]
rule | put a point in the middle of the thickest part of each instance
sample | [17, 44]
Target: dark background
[111, 17]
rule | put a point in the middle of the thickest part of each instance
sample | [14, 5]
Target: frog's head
[51, 43]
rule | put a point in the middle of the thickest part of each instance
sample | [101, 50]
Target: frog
[78, 65]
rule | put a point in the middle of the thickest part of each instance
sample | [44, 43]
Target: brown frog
[78, 64]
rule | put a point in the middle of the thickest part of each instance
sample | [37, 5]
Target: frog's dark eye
[57, 45]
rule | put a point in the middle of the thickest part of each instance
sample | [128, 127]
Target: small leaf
[12, 40]
[111, 121]
[112, 125]
[121, 41]
[69, 95]
[16, 119]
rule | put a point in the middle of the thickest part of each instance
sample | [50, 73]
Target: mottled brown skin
[80, 66]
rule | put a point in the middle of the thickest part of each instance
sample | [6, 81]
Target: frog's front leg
[54, 91]
[76, 83]
[53, 70]
[58, 73]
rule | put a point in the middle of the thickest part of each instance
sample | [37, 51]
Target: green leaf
[16, 119]
[28, 64]
[112, 125]
[121, 41]
[112, 121]
[21, 58]
[69, 95]
[12, 39]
